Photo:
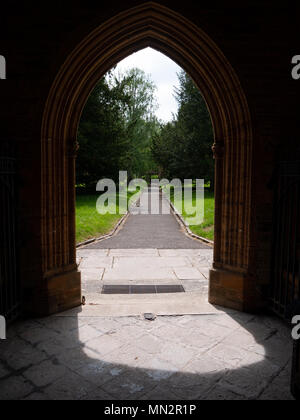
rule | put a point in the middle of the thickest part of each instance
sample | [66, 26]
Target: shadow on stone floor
[233, 356]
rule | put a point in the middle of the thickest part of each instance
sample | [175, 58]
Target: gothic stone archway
[150, 24]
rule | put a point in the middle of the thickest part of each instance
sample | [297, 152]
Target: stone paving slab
[195, 286]
[96, 262]
[83, 252]
[150, 262]
[145, 267]
[188, 273]
[138, 273]
[88, 274]
[178, 357]
[146, 252]
[201, 253]
[204, 259]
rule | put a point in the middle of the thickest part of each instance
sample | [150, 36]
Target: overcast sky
[162, 71]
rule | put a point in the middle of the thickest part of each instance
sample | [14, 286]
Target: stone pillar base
[59, 293]
[234, 290]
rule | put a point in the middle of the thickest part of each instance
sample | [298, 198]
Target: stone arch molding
[148, 25]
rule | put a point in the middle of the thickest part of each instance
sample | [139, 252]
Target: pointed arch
[151, 25]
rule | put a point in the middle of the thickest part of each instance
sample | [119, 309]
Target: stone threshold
[103, 305]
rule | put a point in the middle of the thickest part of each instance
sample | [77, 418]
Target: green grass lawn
[91, 224]
[206, 229]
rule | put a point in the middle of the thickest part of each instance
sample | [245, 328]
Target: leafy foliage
[182, 148]
[116, 128]
[119, 131]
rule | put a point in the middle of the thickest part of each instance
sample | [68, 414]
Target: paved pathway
[140, 254]
[161, 231]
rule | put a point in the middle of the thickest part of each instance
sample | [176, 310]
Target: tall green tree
[101, 135]
[141, 122]
[195, 124]
[183, 147]
[116, 129]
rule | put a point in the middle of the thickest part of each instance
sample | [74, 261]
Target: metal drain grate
[112, 289]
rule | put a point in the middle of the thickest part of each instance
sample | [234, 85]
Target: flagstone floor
[223, 356]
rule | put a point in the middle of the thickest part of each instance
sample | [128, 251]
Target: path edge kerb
[113, 232]
[183, 223]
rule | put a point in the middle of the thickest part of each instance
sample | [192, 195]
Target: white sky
[162, 71]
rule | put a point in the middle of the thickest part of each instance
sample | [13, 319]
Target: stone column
[61, 281]
[232, 283]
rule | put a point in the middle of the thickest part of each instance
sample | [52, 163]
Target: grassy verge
[206, 229]
[91, 224]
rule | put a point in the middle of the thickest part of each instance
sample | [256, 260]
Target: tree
[182, 149]
[195, 123]
[101, 135]
[140, 120]
[116, 128]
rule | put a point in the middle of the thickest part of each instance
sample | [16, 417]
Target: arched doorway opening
[149, 25]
